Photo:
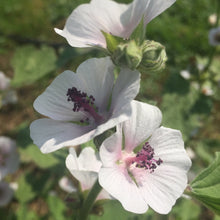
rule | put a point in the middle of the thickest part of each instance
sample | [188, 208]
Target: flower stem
[89, 201]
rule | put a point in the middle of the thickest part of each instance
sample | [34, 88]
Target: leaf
[23, 213]
[31, 64]
[56, 207]
[112, 41]
[206, 186]
[24, 193]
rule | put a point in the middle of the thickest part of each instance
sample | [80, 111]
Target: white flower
[6, 193]
[185, 74]
[66, 185]
[8, 97]
[214, 36]
[85, 169]
[90, 98]
[9, 158]
[4, 82]
[212, 19]
[154, 175]
[83, 27]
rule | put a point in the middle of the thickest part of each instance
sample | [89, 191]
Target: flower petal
[148, 9]
[110, 150]
[50, 135]
[53, 101]
[94, 76]
[165, 185]
[144, 120]
[155, 8]
[117, 183]
[88, 160]
[82, 31]
[162, 188]
[86, 175]
[168, 145]
[97, 78]
[125, 90]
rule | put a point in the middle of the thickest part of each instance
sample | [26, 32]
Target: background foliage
[32, 54]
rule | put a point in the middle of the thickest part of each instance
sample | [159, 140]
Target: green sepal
[139, 33]
[112, 41]
[206, 186]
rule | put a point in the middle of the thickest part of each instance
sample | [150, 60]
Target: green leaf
[24, 193]
[139, 33]
[32, 153]
[56, 207]
[30, 64]
[206, 186]
[112, 41]
[23, 213]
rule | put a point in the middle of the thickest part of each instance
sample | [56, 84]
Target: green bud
[154, 57]
[128, 54]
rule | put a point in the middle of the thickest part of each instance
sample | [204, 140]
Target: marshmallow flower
[144, 164]
[83, 27]
[214, 36]
[83, 105]
[85, 169]
[9, 158]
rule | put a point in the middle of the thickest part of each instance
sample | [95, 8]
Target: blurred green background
[32, 54]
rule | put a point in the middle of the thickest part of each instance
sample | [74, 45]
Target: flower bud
[154, 57]
[128, 54]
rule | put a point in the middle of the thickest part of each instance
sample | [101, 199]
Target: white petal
[117, 183]
[84, 25]
[125, 90]
[155, 8]
[144, 120]
[50, 135]
[88, 160]
[148, 9]
[94, 76]
[97, 78]
[110, 151]
[79, 167]
[53, 102]
[168, 145]
[162, 188]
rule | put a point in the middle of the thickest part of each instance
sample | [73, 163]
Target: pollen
[83, 102]
[145, 158]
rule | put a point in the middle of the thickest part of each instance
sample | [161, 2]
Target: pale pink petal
[162, 188]
[110, 151]
[119, 184]
[84, 25]
[125, 90]
[97, 79]
[144, 120]
[169, 146]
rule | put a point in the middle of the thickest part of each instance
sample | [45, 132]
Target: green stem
[89, 201]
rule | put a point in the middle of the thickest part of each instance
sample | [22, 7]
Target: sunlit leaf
[206, 186]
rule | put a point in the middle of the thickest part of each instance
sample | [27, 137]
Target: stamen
[145, 158]
[83, 102]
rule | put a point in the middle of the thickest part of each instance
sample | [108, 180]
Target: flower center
[145, 159]
[85, 103]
